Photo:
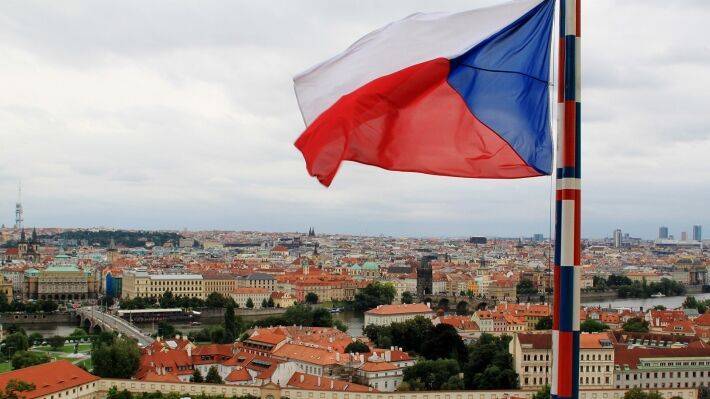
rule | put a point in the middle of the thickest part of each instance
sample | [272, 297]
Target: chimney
[337, 356]
[388, 356]
[318, 381]
[301, 377]
[362, 358]
[332, 384]
[189, 350]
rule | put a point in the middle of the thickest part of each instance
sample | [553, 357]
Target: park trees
[118, 358]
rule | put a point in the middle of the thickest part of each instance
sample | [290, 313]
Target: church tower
[111, 252]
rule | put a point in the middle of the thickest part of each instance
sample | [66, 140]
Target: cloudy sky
[181, 114]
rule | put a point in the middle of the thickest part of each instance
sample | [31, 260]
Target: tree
[373, 295]
[264, 303]
[357, 347]
[322, 318]
[13, 386]
[431, 375]
[17, 341]
[544, 323]
[490, 365]
[230, 321]
[215, 300]
[407, 297]
[24, 359]
[250, 303]
[638, 393]
[444, 343]
[56, 342]
[78, 334]
[270, 303]
[311, 298]
[635, 324]
[166, 330]
[36, 338]
[462, 308]
[544, 392]
[443, 304]
[196, 376]
[213, 376]
[525, 287]
[119, 359]
[593, 326]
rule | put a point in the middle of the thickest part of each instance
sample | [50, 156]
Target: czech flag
[463, 94]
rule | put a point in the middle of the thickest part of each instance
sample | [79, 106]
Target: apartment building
[139, 283]
[532, 357]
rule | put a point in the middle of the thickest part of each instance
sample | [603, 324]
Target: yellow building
[139, 283]
[219, 283]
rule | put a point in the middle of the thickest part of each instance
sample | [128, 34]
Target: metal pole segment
[567, 270]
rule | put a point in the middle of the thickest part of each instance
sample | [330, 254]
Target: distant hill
[122, 238]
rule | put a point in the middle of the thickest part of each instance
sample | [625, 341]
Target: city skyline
[101, 122]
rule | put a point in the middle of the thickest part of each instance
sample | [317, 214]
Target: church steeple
[23, 238]
[34, 234]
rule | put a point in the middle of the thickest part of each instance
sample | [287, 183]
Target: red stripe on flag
[567, 194]
[570, 134]
[564, 368]
[578, 6]
[577, 227]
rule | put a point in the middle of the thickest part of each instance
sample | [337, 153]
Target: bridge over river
[92, 317]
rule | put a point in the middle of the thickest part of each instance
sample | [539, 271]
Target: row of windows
[671, 374]
[74, 390]
[678, 384]
[590, 357]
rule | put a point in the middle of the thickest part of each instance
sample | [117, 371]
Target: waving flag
[462, 94]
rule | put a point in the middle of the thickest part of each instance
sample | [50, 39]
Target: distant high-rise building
[698, 232]
[617, 238]
[663, 232]
[538, 237]
[684, 236]
[19, 217]
[425, 282]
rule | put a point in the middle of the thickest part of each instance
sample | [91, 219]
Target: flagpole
[567, 270]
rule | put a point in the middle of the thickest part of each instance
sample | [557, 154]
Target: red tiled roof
[378, 366]
[325, 384]
[48, 378]
[413, 308]
[631, 356]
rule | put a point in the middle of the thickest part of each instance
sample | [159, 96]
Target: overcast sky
[157, 114]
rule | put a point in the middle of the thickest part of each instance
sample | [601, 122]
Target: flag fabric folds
[463, 94]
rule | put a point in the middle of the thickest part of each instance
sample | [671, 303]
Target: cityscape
[323, 199]
[350, 314]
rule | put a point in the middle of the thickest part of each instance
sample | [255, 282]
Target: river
[355, 321]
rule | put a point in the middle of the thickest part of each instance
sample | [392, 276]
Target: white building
[385, 315]
[532, 357]
[242, 295]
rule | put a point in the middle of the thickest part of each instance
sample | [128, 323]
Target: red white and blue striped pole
[567, 270]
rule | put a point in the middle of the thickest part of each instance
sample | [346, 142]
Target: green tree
[311, 298]
[525, 287]
[407, 297]
[373, 295]
[638, 393]
[264, 303]
[35, 339]
[14, 386]
[431, 375]
[56, 342]
[544, 392]
[166, 330]
[270, 303]
[17, 342]
[443, 304]
[213, 376]
[357, 347]
[24, 359]
[636, 324]
[230, 321]
[196, 376]
[119, 359]
[444, 343]
[544, 323]
[490, 365]
[78, 334]
[593, 326]
[462, 308]
[215, 300]
[250, 303]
